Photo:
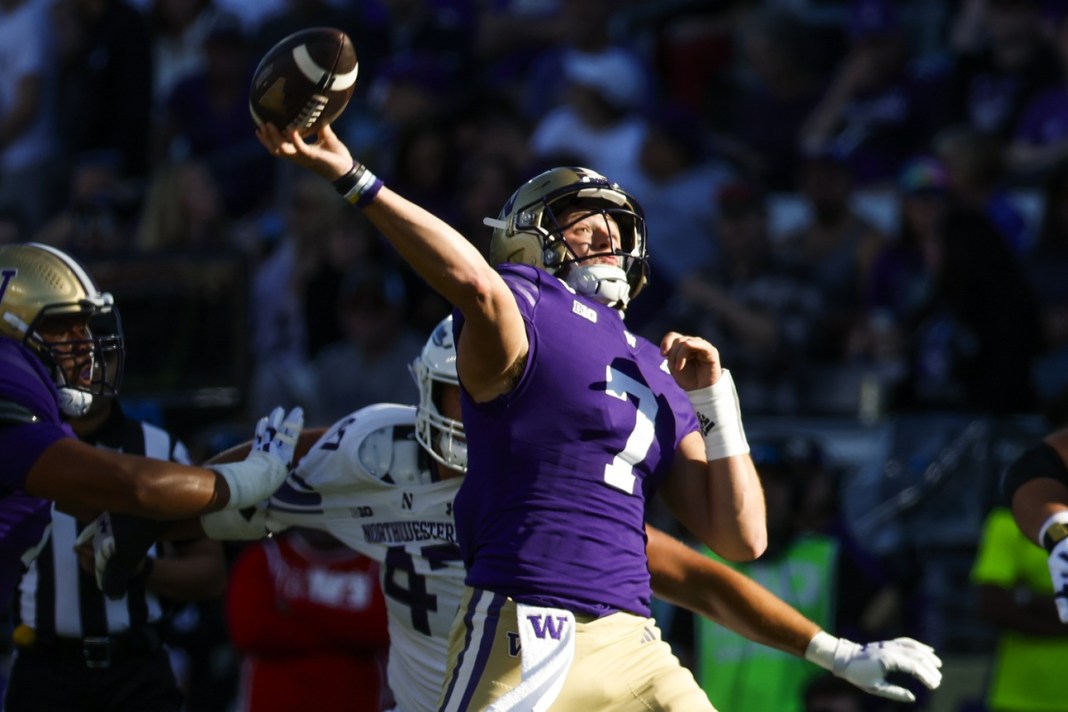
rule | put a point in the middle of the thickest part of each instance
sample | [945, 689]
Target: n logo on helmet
[6, 276]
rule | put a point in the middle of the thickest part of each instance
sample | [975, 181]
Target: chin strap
[74, 403]
[453, 451]
[606, 283]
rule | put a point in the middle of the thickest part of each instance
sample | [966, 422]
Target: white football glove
[1058, 571]
[101, 533]
[267, 464]
[866, 666]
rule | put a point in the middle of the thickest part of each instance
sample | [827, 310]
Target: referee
[75, 648]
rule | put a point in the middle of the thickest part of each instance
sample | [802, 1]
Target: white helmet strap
[74, 403]
[606, 283]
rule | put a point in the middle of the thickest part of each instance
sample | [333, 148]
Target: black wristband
[348, 181]
[359, 186]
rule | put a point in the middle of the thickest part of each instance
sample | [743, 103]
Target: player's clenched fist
[694, 362]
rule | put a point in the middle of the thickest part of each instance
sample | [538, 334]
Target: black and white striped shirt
[55, 595]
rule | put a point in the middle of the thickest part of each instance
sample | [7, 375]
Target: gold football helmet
[40, 285]
[527, 231]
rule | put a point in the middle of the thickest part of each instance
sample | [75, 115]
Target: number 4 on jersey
[415, 594]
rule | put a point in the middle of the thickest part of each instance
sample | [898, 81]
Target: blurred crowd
[863, 204]
[858, 202]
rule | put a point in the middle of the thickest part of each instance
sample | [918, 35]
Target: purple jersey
[552, 509]
[24, 382]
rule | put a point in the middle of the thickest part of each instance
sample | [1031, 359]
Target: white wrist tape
[821, 650]
[720, 417]
[235, 525]
[253, 479]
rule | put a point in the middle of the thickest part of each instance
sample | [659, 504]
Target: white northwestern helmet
[528, 231]
[435, 365]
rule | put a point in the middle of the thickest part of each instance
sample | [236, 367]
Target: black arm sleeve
[1036, 462]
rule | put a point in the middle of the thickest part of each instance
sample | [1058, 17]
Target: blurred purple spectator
[1046, 267]
[1041, 136]
[977, 180]
[878, 108]
[599, 125]
[27, 141]
[179, 28]
[587, 54]
[757, 308]
[105, 81]
[207, 118]
[836, 248]
[677, 176]
[776, 91]
[993, 82]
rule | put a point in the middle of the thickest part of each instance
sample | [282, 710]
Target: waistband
[93, 651]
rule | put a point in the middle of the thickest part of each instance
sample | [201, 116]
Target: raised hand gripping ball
[304, 81]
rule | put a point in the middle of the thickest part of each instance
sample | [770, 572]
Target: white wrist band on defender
[720, 417]
[821, 650]
[251, 480]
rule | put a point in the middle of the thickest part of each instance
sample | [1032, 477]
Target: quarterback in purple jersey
[52, 365]
[572, 424]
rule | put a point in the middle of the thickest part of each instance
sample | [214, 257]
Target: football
[305, 80]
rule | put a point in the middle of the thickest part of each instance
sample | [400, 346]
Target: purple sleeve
[22, 445]
[25, 382]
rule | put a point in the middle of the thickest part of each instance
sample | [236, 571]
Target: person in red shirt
[309, 617]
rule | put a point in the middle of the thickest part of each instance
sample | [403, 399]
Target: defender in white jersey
[383, 480]
[369, 483]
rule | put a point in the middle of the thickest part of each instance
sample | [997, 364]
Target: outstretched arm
[83, 479]
[706, 587]
[494, 338]
[685, 578]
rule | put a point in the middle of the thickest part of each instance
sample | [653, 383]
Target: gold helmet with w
[41, 285]
[528, 231]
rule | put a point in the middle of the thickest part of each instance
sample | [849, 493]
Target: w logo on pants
[553, 626]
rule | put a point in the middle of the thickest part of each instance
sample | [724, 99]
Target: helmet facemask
[608, 284]
[50, 304]
[529, 231]
[99, 354]
[441, 436]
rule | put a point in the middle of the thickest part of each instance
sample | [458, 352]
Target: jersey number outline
[415, 595]
[620, 472]
[339, 433]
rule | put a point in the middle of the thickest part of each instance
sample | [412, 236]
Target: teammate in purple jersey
[52, 365]
[572, 424]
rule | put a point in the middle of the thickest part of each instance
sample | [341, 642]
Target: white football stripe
[307, 65]
[344, 81]
[315, 73]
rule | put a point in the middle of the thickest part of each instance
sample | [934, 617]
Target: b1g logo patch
[6, 275]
